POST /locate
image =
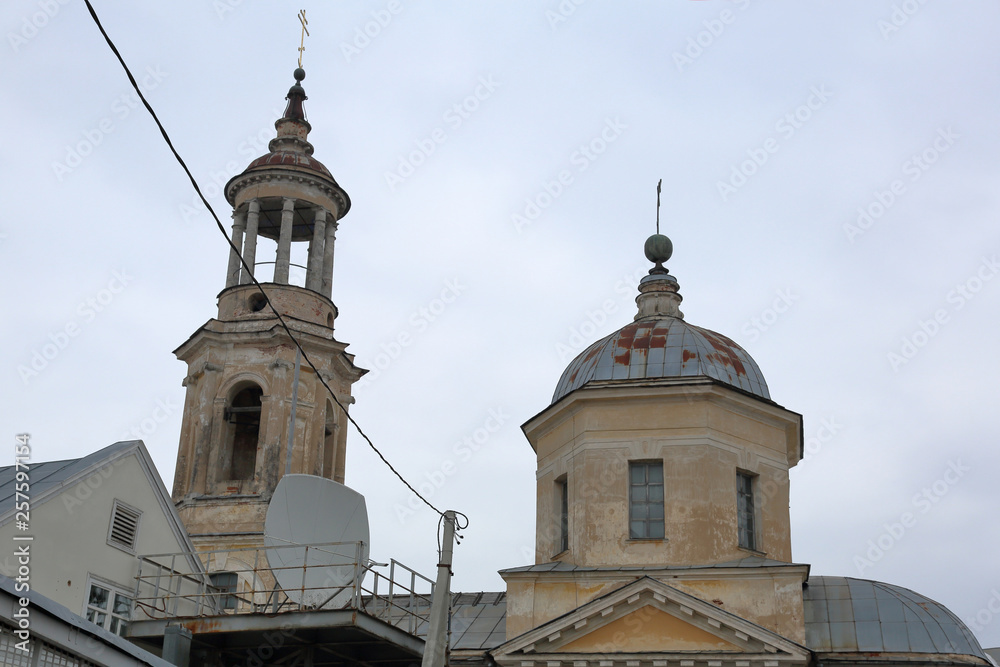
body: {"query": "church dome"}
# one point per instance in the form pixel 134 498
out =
pixel 857 616
pixel 665 347
pixel 659 344
pixel 292 159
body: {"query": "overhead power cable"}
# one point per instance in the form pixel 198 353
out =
pixel 246 267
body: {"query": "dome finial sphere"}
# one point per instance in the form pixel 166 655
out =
pixel 658 248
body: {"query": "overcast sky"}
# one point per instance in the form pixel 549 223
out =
pixel 829 183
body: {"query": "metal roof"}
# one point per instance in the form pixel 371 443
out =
pixel 666 347
pixel 49 475
pixel 843 615
pixel 846 615
pixel 478 620
pixel 290 159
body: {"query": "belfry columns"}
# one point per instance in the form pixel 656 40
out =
pixel 319 272
pixel 250 247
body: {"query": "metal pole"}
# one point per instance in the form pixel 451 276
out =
pixel 435 650
pixel 291 422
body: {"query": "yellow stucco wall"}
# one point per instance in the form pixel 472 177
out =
pixel 645 630
pixel 703 440
pixel 704 434
pixel 769 597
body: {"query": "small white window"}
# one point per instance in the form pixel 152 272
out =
pixel 124 526
pixel 108 607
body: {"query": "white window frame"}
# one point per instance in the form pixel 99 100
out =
pixel 113 590
pixel 111 525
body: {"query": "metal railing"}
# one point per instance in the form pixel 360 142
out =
pixel 167 588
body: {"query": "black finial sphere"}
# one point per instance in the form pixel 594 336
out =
pixel 658 248
pixel 299 74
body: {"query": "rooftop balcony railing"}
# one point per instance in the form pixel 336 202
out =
pixel 241 581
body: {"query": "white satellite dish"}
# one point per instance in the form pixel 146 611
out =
pixel 306 509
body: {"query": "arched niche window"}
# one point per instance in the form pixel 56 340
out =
pixel 243 415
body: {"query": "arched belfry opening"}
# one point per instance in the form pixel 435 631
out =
pixel 243 417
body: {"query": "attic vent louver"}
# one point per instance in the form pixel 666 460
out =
pixel 124 526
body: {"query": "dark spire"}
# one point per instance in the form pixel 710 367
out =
pixel 296 96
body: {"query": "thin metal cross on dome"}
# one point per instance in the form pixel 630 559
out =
pixel 305 33
pixel 658 186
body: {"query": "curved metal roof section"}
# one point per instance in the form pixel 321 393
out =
pixel 667 347
pixel 290 159
pixel 846 615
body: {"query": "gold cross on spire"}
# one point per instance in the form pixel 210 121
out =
pixel 305 33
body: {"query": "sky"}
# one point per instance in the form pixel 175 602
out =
pixel 829 184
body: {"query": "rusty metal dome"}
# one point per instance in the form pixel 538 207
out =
pixel 295 160
pixel 663 347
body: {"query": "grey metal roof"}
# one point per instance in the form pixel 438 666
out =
pixel 47 476
pixel 559 566
pixel 846 615
pixel 666 347
pixel 478 620
pixel 843 615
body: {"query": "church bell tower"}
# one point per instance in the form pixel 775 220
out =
pixel 245 380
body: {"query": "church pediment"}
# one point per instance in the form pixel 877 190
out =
pixel 650 623
pixel 648 629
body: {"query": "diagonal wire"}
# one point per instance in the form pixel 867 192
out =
pixel 246 267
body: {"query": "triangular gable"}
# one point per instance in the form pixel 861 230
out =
pixel 647 619
pixel 645 630
pixel 66 475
